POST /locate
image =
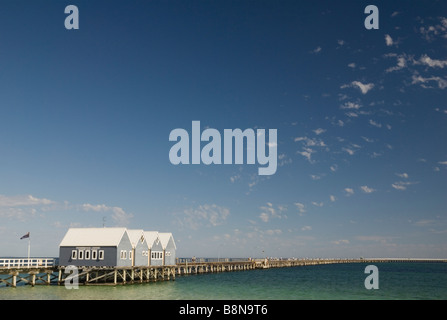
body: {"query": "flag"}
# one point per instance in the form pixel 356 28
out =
pixel 25 236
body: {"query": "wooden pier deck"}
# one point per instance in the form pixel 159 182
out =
pixel 44 271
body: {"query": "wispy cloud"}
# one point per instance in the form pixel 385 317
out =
pixel 433 63
pixel 269 211
pixel 349 192
pixel 434 31
pixel 301 207
pixel 350 105
pixel 206 215
pixel 317 50
pixel 367 189
pixel 342 241
pixel 417 79
pixel 402 185
pixel 364 88
pixel 388 40
pixel 319 131
pixel 119 216
pixel 23 200
pixel 375 124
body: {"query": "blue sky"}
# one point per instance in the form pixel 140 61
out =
pixel 85 117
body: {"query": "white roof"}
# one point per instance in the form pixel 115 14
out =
pixel 135 236
pixel 93 237
pixel 150 236
pixel 164 238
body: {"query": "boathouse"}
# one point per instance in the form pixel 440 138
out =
pixel 155 248
pixel 169 248
pixel 139 246
pixel 98 247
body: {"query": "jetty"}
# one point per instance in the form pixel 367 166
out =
pixel 46 271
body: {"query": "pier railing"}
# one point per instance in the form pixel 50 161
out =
pixel 13 263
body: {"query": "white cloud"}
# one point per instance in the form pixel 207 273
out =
pixel 349 191
pixel 367 189
pixel 301 207
pixel 316 50
pixel 388 40
pixel 401 63
pixel 401 185
pixel 317 204
pixel 119 216
pixel 402 175
pixel 349 151
pixel 22 207
pixel 375 124
pixel 272 232
pixel 307 153
pixel 442 83
pixel 204 215
pixel 264 217
pixel 333 198
pixel 443 162
pixel 364 88
pixel 306 228
pixel 319 131
pixel 433 63
pixel 430 33
pixel 350 105
pixel 352 65
pixel 342 241
pixel 269 211
pixel 23 200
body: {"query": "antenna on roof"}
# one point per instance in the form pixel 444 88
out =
pixel 104 222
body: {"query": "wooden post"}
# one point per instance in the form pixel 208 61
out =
pixel 14 278
pixel 33 280
pixel 115 276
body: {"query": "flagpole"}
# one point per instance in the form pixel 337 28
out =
pixel 29 247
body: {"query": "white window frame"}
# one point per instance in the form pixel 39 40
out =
pixel 74 254
pixel 94 254
pixel 130 254
pixel 87 255
pixel 101 254
pixel 81 255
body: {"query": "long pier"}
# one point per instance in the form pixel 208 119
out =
pixel 45 271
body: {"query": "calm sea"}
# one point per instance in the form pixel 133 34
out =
pixel 414 281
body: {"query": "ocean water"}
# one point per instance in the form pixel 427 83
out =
pixel 402 281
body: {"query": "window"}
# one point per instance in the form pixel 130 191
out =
pixel 168 253
pixel 130 255
pixel 87 255
pixel 74 254
pixel 94 254
pixel 101 254
pixel 81 254
pixel 123 254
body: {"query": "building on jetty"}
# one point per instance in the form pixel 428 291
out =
pixel 116 247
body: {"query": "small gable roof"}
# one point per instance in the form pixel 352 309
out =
pixel 135 235
pixel 164 239
pixel 150 236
